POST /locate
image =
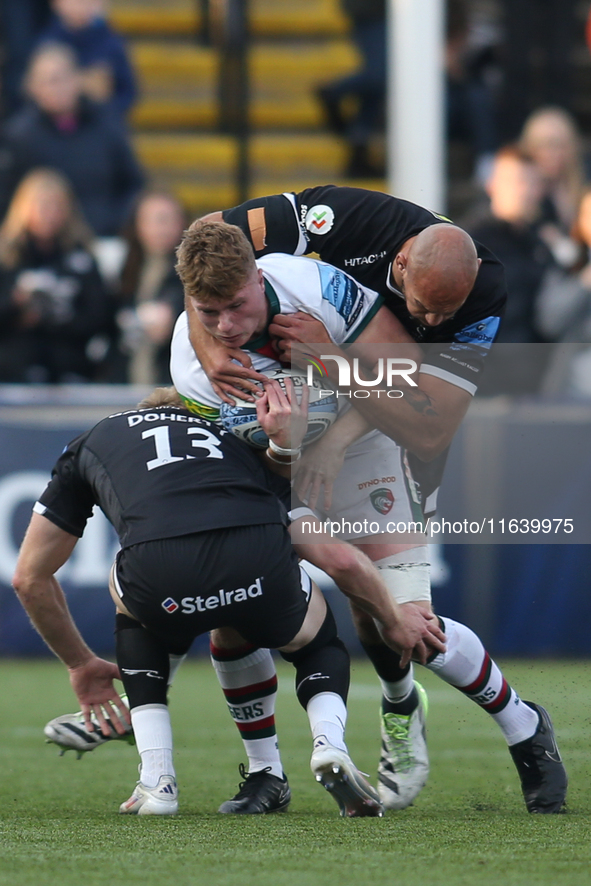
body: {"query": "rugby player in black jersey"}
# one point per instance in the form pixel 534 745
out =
pixel 204 544
pixel 448 293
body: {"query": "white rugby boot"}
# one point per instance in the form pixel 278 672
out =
pixel 161 800
pixel 404 762
pixel 335 770
pixel 70 734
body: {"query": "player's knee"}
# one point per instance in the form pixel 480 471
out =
pixel 325 636
pixel 125 623
pixel 227 638
pixel 365 626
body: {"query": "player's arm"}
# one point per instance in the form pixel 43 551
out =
pixel 424 420
pixel 46 547
pixel 427 417
pixel 406 629
pixel 322 462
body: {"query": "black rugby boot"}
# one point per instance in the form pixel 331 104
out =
pixel 541 771
pixel 259 794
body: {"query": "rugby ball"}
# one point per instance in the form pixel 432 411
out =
pixel 241 417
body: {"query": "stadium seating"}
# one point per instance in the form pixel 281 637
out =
pixel 176 122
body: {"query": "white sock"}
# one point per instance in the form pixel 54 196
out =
pixel 327 714
pixel 153 736
pixel 468 666
pixel 263 753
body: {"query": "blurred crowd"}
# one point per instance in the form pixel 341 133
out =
pixel 88 291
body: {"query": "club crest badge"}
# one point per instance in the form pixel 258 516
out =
pixel 382 500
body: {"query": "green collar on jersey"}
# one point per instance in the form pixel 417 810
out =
pixel 274 308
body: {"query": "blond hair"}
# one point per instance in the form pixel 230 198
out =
pixel 161 397
pixel 573 176
pixel 214 260
pixel 13 232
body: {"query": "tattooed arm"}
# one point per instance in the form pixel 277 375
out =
pixel 424 420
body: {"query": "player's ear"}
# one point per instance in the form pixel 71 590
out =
pixel 400 261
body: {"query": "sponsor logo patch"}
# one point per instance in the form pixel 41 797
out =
pixel 482 333
pixel 135 672
pixel 170 605
pixel 342 293
pixel 222 598
pixel 319 219
pixel 382 500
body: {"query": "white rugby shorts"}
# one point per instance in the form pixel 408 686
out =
pixel 375 492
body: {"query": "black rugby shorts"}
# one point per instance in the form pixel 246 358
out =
pixel 244 577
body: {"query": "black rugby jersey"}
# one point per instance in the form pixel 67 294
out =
pixel 361 231
pixel 161 473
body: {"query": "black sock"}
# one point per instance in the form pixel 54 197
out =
pixel 387 666
pixel 386 662
pixel 405 707
pixel 143 662
pixel 323 665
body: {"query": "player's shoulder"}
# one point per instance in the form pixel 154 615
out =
pixel 114 426
pixel 479 319
pixel 181 325
pixel 490 289
pixel 342 194
pixel 292 277
pixel 281 263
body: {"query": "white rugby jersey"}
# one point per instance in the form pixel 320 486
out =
pixel 292 284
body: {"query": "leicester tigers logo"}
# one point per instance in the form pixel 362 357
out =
pixel 382 500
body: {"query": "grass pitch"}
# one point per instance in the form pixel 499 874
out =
pixel 59 822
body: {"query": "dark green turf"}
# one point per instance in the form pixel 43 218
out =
pixel 59 822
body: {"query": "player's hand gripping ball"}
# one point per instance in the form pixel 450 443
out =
pixel 241 418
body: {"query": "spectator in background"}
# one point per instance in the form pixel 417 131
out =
pixel 62 129
pixel 551 137
pixel 563 314
pixel 150 295
pixel 515 189
pixel 52 300
pixel 106 73
pixel 366 85
pixel 20 23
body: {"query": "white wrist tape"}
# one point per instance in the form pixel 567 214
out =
pixel 279 450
